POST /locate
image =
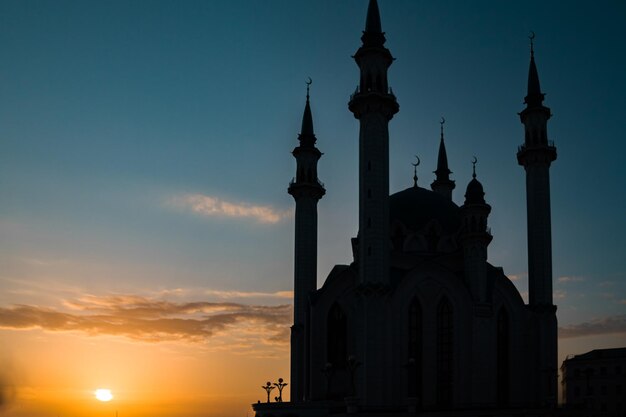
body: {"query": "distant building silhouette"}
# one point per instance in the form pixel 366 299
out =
pixel 596 382
pixel 419 320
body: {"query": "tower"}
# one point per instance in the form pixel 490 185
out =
pixel 306 190
pixel 443 184
pixel 475 238
pixel 373 104
pixel 536 155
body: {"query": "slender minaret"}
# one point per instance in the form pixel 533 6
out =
pixel 443 184
pixel 374 105
pixel 306 190
pixel 536 155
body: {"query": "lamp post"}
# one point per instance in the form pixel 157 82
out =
pixel 268 388
pixel 280 385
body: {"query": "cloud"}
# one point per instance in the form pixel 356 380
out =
pixel 570 279
pixel 213 206
pixel 153 320
pixel 605 325
pixel 249 294
pixel 517 277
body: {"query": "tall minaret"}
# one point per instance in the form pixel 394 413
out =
pixel 374 105
pixel 306 190
pixel 536 155
pixel 443 184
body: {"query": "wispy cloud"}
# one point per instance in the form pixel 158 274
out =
pixel 566 279
pixel 517 277
pixel 153 320
pixel 605 325
pixel 206 205
pixel 221 295
pixel 249 294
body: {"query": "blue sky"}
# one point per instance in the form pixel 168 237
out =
pixel 115 116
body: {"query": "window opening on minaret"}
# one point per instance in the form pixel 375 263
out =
pixel 445 354
pixel 369 222
pixel 369 193
pixel 414 360
pixel 369 250
pixel 369 165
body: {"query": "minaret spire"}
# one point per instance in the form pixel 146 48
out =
pixel 443 184
pixel 306 190
pixel 373 34
pixel 306 133
pixel 534 96
pixel 372 23
pixel 536 156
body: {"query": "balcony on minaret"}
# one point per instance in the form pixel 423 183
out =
pixel 543 153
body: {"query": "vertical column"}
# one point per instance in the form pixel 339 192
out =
pixel 306 190
pixel 536 155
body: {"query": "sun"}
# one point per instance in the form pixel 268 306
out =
pixel 103 394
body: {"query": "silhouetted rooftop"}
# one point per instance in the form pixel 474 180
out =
pixel 415 207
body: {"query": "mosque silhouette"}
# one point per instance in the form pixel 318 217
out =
pixel 419 321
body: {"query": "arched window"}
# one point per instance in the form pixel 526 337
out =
pixel 414 382
pixel 445 352
pixel 502 360
pixel 336 348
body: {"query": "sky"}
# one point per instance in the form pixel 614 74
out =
pixel 146 233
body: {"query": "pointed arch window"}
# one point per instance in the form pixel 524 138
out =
pixel 414 382
pixel 445 352
pixel 337 346
pixel 502 360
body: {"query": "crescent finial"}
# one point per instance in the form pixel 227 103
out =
pixel 441 123
pixel 415 170
pixel 474 167
pixel 531 37
pixel 308 85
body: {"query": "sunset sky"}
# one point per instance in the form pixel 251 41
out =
pixel 146 235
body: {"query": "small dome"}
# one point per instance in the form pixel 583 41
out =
pixel 415 207
pixel 474 193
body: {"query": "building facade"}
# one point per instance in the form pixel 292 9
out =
pixel 419 319
pixel 596 382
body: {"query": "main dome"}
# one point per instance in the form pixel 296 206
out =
pixel 415 207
